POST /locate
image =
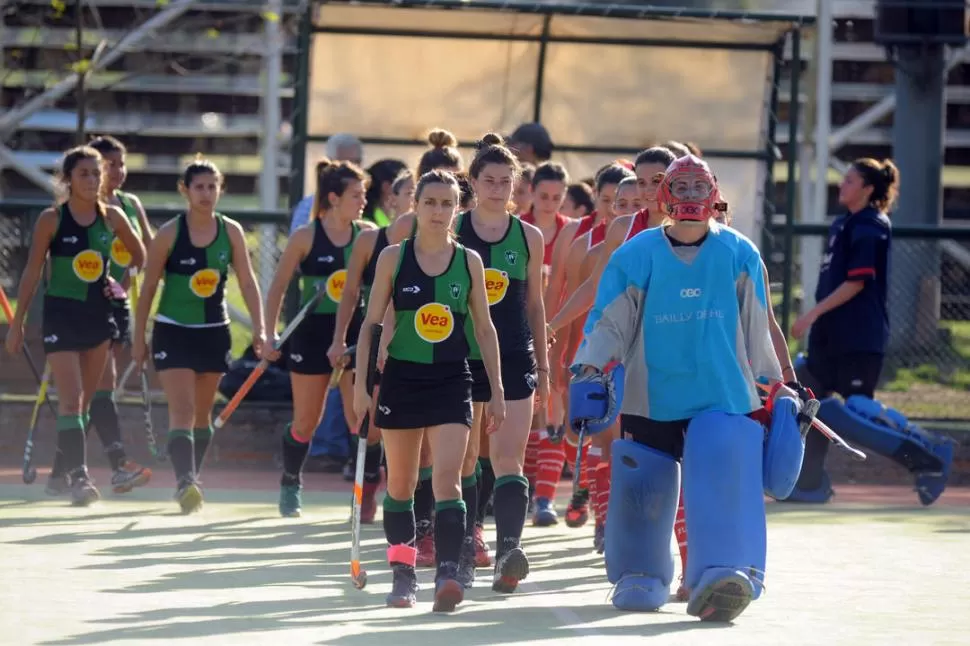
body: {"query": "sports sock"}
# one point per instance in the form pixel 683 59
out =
pixel 449 530
pixel 202 437
pixel 372 463
pixel 680 531
pixel 423 502
pixel 294 455
pixel 551 455
pixel 70 443
pixel 469 495
pixel 511 503
pixel 399 530
pixel 486 487
pixel 181 452
pixel 104 417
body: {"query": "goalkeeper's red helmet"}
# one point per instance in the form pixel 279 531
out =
pixel 688 191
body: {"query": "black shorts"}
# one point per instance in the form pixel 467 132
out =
pixel 666 437
pixel 519 376
pixel 75 326
pixel 847 374
pixel 311 340
pixel 199 349
pixel 418 395
pixel 121 313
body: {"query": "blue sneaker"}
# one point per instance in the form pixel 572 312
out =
pixel 545 514
pixel 930 485
pixel 291 501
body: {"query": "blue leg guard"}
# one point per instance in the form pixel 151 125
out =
pixel 644 489
pixel 784 449
pixel 887 432
pixel 725 512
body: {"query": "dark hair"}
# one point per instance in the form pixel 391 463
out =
pixel 381 172
pixel 677 148
pixel 491 150
pixel 437 176
pixel 200 166
pixel 333 177
pixel 536 135
pixel 106 144
pixel 883 177
pixel 442 154
pixel 612 174
pixel 72 158
pixel 693 148
pixel 581 195
pixel 526 172
pixel 465 186
pixel 402 178
pixel 655 155
pixel 550 172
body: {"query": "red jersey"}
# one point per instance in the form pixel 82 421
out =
pixel 561 221
pixel 585 224
pixel 638 223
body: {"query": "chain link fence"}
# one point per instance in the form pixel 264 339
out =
pixel 266 235
pixel 926 374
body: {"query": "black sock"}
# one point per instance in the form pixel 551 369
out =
pixel 813 465
pixel 70 444
pixel 449 530
pixel 201 437
pixel 510 505
pixel 486 485
pixel 104 417
pixel 372 463
pixel 182 453
pixel 399 527
pixel 423 502
pixel 469 495
pixel 295 453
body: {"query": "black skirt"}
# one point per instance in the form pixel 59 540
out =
pixel 418 395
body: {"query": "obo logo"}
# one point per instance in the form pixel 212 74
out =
pixel 691 293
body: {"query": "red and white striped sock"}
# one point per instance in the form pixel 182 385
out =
pixel 530 466
pixel 551 456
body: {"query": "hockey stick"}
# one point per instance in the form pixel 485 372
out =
pixel 357 575
pixel 833 437
pixel 29 472
pixel 8 312
pixel 578 497
pixel 146 406
pixel 264 364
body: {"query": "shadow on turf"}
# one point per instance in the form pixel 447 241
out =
pixel 303 560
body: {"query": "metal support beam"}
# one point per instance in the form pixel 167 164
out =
pixel 884 107
pixel 37 176
pixel 147 29
pixel 269 186
pixel 811 247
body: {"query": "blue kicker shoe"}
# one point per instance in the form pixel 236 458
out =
pixel 929 486
pixel 818 496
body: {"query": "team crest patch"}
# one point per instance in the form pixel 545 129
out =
pixel 511 256
pixel 455 290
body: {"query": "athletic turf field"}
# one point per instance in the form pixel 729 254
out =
pixel 133 571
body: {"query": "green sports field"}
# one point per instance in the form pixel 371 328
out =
pixel 133 571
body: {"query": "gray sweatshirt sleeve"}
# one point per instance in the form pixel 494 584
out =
pixel 616 318
pixel 754 330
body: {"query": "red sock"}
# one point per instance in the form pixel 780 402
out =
pixel 550 459
pixel 569 449
pixel 531 465
pixel 602 500
pixel 680 531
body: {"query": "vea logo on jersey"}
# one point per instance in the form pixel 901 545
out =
pixel 434 322
pixel 88 266
pixel 496 285
pixel 204 282
pixel 119 253
pixel 335 285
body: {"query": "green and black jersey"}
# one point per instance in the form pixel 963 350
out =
pixel 432 323
pixel 194 294
pixel 506 273
pixel 120 256
pixel 326 265
pixel 79 259
pixel 370 269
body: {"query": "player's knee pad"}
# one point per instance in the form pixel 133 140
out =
pixel 784 449
pixel 886 431
pixel 643 503
pixel 724 497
